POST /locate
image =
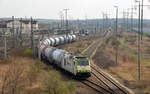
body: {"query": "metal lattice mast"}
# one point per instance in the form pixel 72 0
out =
pixel 5 42
pixel 32 37
pixel 116 34
pixel 20 35
pixel 13 31
pixel 66 12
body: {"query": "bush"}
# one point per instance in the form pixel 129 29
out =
pixel 145 35
pixel 34 70
pixel 32 91
pixel 39 65
pixel 126 39
pixel 52 84
pixel 28 51
pixel 5 61
pixel 13 79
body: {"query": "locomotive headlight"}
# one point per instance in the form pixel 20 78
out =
pixel 78 70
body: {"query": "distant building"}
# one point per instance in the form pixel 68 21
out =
pixel 18 24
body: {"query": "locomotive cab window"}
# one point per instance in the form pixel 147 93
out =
pixel 83 63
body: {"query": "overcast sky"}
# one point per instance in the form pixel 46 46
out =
pixel 78 9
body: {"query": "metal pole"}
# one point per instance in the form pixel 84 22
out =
pixel 127 20
pixel 21 32
pixel 39 52
pixel 5 44
pixel 139 46
pixel 13 31
pixel 66 10
pixel 63 21
pixel 103 21
pixel 61 18
pixel 32 37
pixel 142 21
pixel 132 19
pixel 116 34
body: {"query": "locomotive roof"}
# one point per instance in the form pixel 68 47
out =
pixel 80 57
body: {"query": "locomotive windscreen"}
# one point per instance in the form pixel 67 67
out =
pixel 83 63
pixel 81 57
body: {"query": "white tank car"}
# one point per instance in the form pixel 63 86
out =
pixel 78 66
pixel 52 41
pixel 48 41
pixel 45 42
pixel 58 56
pixel 49 53
pixel 74 37
pixel 57 41
pixel 66 39
pixel 62 40
pixel 70 38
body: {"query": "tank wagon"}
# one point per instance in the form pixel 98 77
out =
pixel 76 65
pixel 59 40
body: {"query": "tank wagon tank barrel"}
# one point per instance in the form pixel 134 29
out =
pixel 59 40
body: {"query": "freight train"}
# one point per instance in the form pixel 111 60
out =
pixel 59 40
pixel 76 65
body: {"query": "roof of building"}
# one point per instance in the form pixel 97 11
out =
pixel 28 21
pixel 23 21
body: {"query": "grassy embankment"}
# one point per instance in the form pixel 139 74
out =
pixel 22 74
pixel 76 48
pixel 29 75
pixel 126 69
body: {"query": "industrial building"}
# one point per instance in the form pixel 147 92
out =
pixel 19 25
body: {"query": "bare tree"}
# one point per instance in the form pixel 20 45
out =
pixel 13 79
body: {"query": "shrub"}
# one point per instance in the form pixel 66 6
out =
pixel 145 35
pixel 28 51
pixel 32 91
pixel 5 61
pixel 126 39
pixel 52 84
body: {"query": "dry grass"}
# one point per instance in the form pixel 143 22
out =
pixel 77 47
pixel 126 69
pixel 33 72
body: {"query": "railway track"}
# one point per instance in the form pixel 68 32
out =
pixel 88 52
pixel 96 87
pixel 116 88
pixel 105 85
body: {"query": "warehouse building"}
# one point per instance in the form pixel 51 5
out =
pixel 19 25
